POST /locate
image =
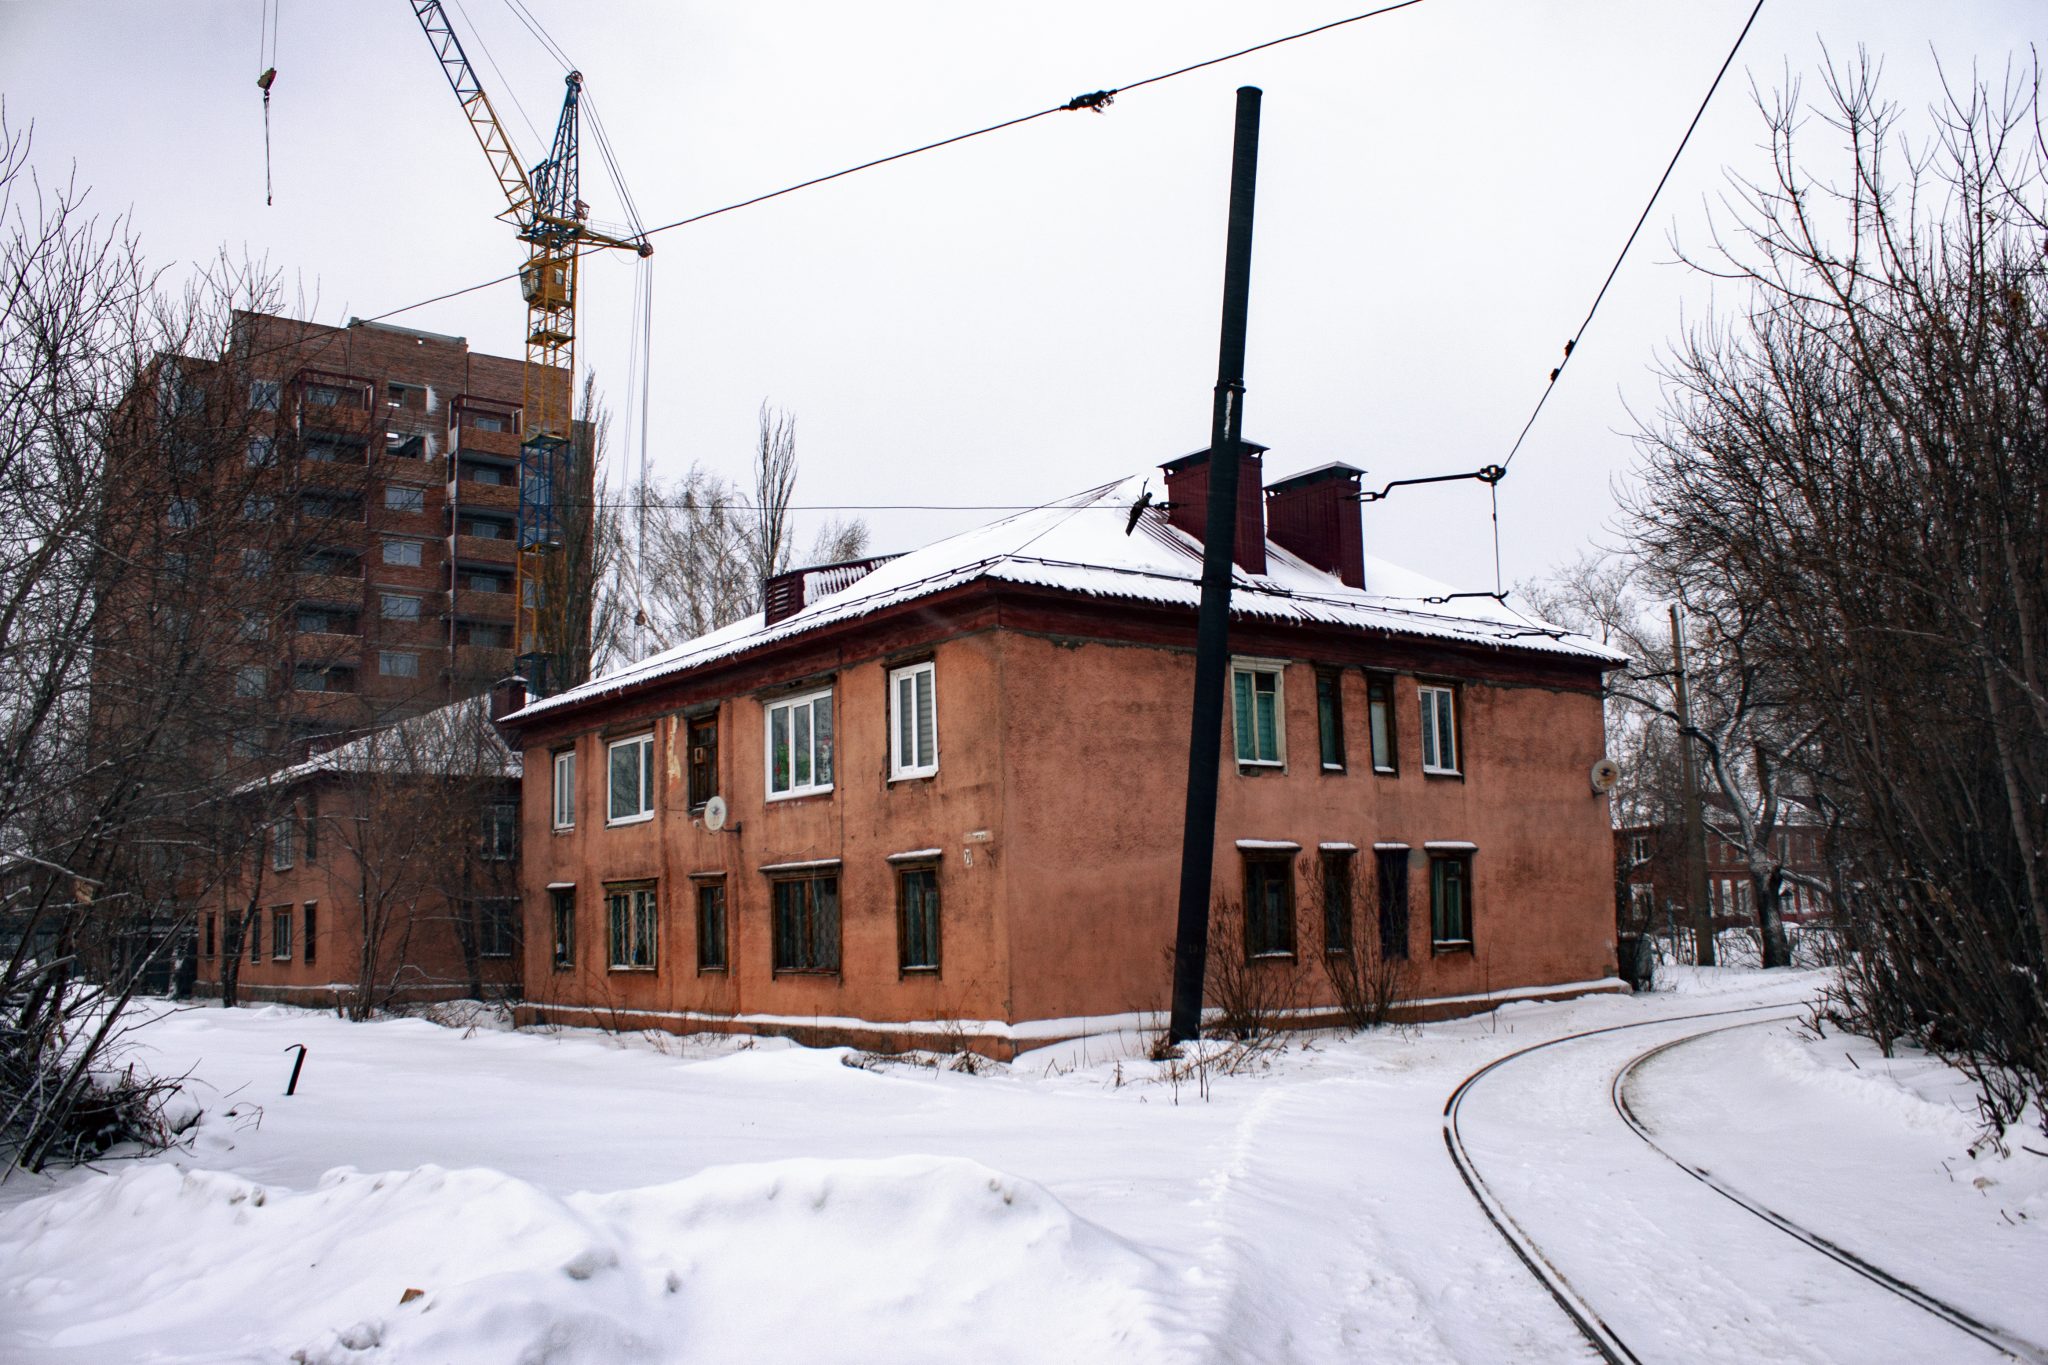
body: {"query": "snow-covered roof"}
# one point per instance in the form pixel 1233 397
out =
pixel 1078 545
pixel 454 740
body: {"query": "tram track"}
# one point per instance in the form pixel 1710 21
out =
pixel 1600 1333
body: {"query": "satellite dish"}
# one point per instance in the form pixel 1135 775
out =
pixel 1604 775
pixel 714 814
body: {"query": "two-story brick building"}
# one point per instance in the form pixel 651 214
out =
pixel 943 791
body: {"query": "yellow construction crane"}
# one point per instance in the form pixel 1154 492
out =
pixel 544 206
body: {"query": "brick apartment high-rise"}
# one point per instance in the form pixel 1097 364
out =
pixel 406 444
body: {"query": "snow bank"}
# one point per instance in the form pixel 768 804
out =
pixel 906 1259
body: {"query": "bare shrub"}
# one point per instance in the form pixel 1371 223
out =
pixel 1252 997
pixel 1367 979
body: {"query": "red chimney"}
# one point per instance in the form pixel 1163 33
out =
pixel 1315 514
pixel 1187 490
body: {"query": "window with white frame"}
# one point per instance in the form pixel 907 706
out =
pixel 629 780
pixel 404 553
pixel 800 745
pixel 913 724
pixel 281 933
pixel 394 606
pixel 565 789
pixel 1257 712
pixel 1439 729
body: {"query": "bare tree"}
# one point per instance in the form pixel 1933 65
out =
pixel 1851 480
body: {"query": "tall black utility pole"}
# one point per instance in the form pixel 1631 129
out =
pixel 1219 552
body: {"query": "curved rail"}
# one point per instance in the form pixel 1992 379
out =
pixel 1602 1338
pixel 2018 1348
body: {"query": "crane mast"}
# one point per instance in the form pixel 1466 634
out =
pixel 544 205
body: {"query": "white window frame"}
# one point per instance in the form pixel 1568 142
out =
pixel 644 741
pixel 905 764
pixel 1438 707
pixel 565 789
pixel 281 933
pixel 1276 669
pixel 401 547
pixel 803 701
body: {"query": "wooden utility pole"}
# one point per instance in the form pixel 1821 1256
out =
pixel 1219 551
pixel 1695 832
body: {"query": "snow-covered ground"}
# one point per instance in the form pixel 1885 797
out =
pixel 572 1197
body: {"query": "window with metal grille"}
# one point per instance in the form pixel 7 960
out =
pixel 1337 901
pixel 562 910
pixel 711 926
pixel 630 911
pixel 1393 886
pixel 807 923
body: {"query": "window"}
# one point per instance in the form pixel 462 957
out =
pixel 630 910
pixel 255 937
pixel 807 923
pixel 1268 905
pixel 562 910
pixel 312 926
pixel 917 918
pixel 1642 902
pixel 702 738
pixel 913 728
pixel 255 625
pixel 264 394
pixel 395 663
pixel 311 812
pixel 397 395
pixel 711 926
pixel 487 582
pixel 1379 701
pixel 1450 901
pixel 405 553
pixel 1336 901
pixel 399 498
pixel 1639 848
pixel 501 831
pixel 394 606
pixel 1439 730
pixel 800 746
pixel 281 933
pixel 1330 717
pixel 281 846
pixel 255 508
pixel 565 789
pixel 497 926
pixel 252 680
pixel 485 529
pixel 485 635
pixel 1393 870
pixel 484 473
pixel 1256 713
pixel 211 925
pixel 262 452
pixel 255 564
pixel 487 422
pixel 183 513
pixel 629 768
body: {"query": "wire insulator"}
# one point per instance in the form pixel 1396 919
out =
pixel 1099 101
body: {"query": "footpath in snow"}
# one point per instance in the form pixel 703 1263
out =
pixel 573 1197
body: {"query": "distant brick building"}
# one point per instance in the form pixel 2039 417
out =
pixel 940 794
pixel 1649 862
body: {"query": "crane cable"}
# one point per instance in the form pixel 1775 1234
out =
pixel 266 57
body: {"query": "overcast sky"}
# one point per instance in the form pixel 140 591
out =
pixel 1030 313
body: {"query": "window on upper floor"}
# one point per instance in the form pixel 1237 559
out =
pixel 394 606
pixel 1379 705
pixel 799 744
pixel 1439 728
pixel 400 497
pixel 629 780
pixel 913 723
pixel 262 452
pixel 264 394
pixel 565 789
pixel 1330 717
pixel 252 680
pixel 404 553
pixel 701 736
pixel 501 831
pixel 398 663
pixel 497 926
pixel 1257 713
pixel 281 846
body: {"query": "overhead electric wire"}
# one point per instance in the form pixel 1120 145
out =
pixel 1096 100
pixel 1634 232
